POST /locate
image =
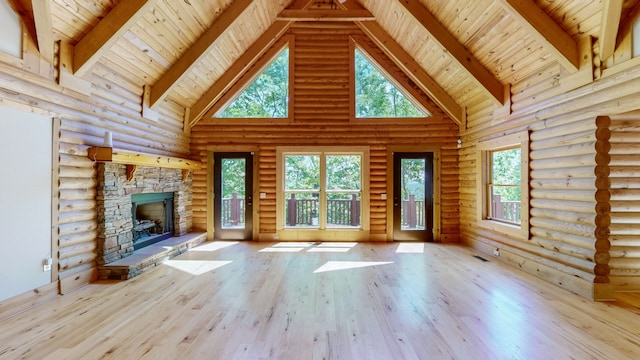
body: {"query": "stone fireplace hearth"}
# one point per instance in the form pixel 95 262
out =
pixel 118 228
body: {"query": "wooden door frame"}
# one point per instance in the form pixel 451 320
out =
pixel 210 185
pixel 436 185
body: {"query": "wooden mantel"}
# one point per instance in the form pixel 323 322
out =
pixel 132 160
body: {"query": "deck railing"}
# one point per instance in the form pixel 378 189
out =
pixel 340 212
pixel 412 213
pixel 233 210
pixel 505 210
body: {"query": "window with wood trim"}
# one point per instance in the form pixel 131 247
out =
pixel 375 94
pixel 322 188
pixel 503 184
pixel 267 96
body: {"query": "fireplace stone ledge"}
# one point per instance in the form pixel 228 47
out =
pixel 149 257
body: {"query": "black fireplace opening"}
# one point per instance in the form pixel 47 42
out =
pixel 152 218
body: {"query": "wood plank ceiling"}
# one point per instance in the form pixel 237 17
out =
pixel 463 52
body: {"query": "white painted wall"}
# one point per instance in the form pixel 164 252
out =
pixel 635 36
pixel 25 200
pixel 11 33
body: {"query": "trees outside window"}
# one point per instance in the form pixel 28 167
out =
pixel 267 96
pixel 315 201
pixel 376 96
pixel 503 184
pixel 504 187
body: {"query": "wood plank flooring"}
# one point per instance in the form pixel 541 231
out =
pixel 248 300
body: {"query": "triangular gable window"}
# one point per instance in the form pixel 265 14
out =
pixel 267 96
pixel 377 96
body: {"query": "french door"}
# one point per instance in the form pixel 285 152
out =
pixel 413 196
pixel 233 196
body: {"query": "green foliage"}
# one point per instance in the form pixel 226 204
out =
pixel 302 172
pixel 413 173
pixel 376 96
pixel 343 172
pixel 267 96
pixel 233 177
pixel 505 174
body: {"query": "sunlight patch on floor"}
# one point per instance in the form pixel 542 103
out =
pixel 414 248
pixel 313 247
pixel 281 249
pixel 214 246
pixel 329 249
pixel 347 265
pixel 196 267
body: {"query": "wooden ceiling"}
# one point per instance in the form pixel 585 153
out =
pixel 187 51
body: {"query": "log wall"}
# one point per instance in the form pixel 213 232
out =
pixel 113 105
pixel 570 185
pixel 321 116
pixel 625 201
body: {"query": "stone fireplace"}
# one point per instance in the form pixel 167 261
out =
pixel 154 205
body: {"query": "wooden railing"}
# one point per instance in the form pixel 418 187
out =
pixel 233 210
pixel 505 210
pixel 339 212
pixel 412 213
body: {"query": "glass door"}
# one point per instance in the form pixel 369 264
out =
pixel 413 196
pixel 233 196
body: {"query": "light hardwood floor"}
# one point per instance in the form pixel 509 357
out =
pixel 247 300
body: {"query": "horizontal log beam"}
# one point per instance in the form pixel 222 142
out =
pixel 325 15
pixel 106 154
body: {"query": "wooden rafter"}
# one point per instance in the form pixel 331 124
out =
pixel 611 13
pixel 546 30
pixel 415 94
pixel 482 77
pixel 44 28
pixel 412 69
pixel 325 15
pixel 242 65
pixel 197 51
pixel 102 37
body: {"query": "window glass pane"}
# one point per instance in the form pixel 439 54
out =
pixel 233 193
pixel 267 96
pixel 301 209
pixel 343 210
pixel 376 96
pixel 504 191
pixel 302 172
pixel 412 211
pixel 343 172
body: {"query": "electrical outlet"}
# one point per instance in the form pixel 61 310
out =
pixel 46 264
pixel 496 252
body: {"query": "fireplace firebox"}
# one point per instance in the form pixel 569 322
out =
pixel 152 216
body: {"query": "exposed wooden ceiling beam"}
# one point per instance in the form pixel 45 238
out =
pixel 414 71
pixel 482 77
pixel 237 70
pixel 325 15
pixel 102 37
pixel 545 30
pixel 197 51
pixel 242 64
pixel 44 28
pixel 611 14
